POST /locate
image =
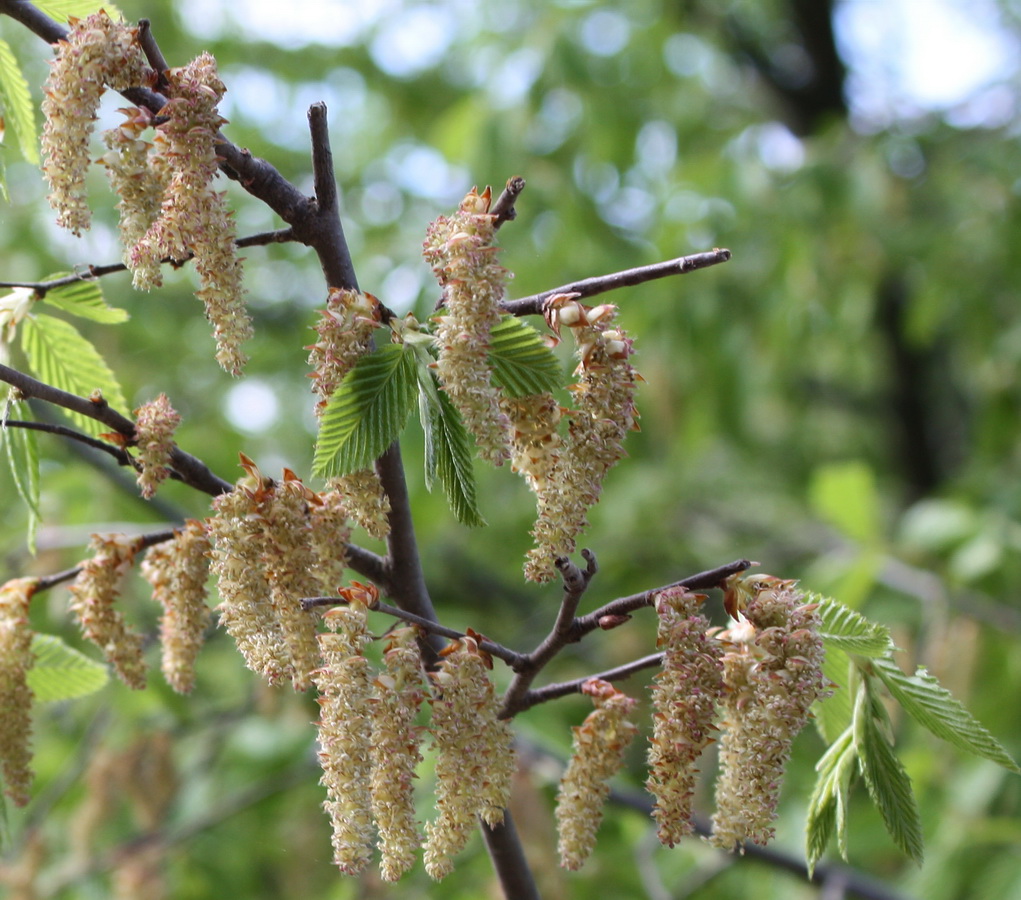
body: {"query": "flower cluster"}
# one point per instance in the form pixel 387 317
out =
pixel 476 756
pixel 604 411
pixel 155 422
pixel 177 571
pixel 600 743
pixel 687 691
pixel 459 249
pixel 194 219
pixel 139 179
pixel 400 690
pixel 772 672
pixel 94 593
pixel 264 557
pixel 16 658
pixel 97 52
pixel 345 733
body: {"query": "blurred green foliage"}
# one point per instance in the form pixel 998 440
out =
pixel 839 402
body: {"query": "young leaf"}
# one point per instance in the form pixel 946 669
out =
pixel 61 672
pixel 22 453
pixel 887 782
pixel 449 454
pixel 934 707
pixel 85 300
pixel 844 629
pixel 833 714
pixel 367 411
pixel 827 807
pixel 17 104
pixel 61 357
pixel 62 9
pixel 522 363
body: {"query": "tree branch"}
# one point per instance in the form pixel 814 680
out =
pixel 503 207
pixel 192 470
pixel 509 861
pixel 589 287
pixel 118 453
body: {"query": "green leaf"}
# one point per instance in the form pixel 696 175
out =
pixel 22 450
pixel 19 110
pixel 844 629
pixel 827 807
pixel 62 9
pixel 367 411
pixel 833 715
pixel 845 495
pixel 61 357
pixel 935 708
pixel 85 300
pixel 61 672
pixel 887 782
pixel 522 362
pixel 449 454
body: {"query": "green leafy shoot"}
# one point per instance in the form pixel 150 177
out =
pixel 448 450
pixel 61 357
pixel 367 411
pixel 22 451
pixel 19 111
pixel 934 707
pixel 522 363
pixel 833 715
pixel 61 672
pixel 85 300
pixel 827 807
pixel 887 782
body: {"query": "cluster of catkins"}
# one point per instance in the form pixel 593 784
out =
pixel 565 472
pixel 754 683
pixel 370 744
pixel 168 209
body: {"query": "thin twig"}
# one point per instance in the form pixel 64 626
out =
pixel 118 453
pixel 90 273
pixel 569 629
pixel 503 207
pixel 564 688
pixel 576 582
pixel 192 470
pixel 146 541
pixel 712 578
pixel 511 657
pixel 589 287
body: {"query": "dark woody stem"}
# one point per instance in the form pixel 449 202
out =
pixel 589 287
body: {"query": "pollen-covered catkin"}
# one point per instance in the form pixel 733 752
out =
pixel 16 658
pixel 155 423
pixel 136 177
pixel 772 670
pixel 178 570
pixel 399 692
pixel 459 249
pixel 685 696
pixel 476 755
pixel 600 743
pixel 603 413
pixel 97 52
pixel 93 595
pixel 236 530
pixel 289 563
pixel 345 734
pixel 193 218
